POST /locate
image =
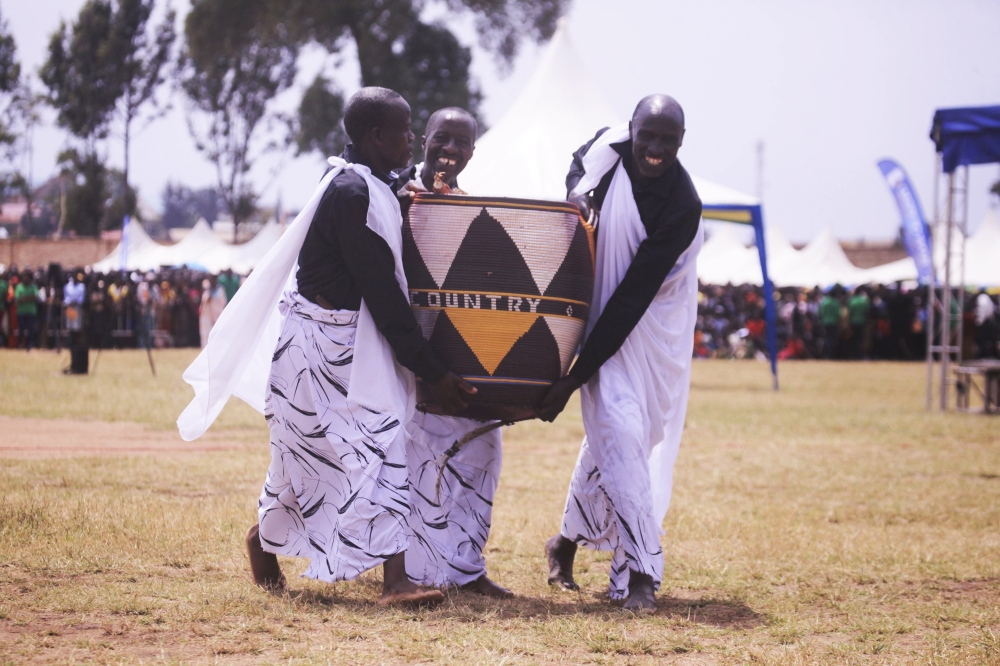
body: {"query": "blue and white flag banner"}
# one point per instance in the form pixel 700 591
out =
pixel 124 244
pixel 916 236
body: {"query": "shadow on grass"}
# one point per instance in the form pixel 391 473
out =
pixel 464 606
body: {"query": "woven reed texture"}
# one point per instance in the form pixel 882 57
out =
pixel 502 290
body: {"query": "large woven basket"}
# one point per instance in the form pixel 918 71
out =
pixel 502 290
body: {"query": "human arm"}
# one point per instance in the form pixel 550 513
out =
pixel 372 265
pixel 653 261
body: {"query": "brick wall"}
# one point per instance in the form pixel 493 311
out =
pixel 70 253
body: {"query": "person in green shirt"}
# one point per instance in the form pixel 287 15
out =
pixel 858 308
pixel 230 283
pixel 829 318
pixel 26 300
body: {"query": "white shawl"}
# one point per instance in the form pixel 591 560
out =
pixel 653 366
pixel 237 359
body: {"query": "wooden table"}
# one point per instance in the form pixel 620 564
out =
pixel 980 377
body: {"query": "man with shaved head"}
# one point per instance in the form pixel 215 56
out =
pixel 635 363
pixel 449 530
pixel 340 389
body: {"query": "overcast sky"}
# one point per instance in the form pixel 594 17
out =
pixel 829 87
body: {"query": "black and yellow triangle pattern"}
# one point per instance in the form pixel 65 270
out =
pixel 502 290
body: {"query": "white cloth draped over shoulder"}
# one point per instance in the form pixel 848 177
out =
pixel 654 363
pixel 237 359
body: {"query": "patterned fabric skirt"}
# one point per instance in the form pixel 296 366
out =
pixel 336 490
pixel 449 533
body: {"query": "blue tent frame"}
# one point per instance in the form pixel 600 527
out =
pixel 754 216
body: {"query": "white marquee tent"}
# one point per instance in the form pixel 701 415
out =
pixel 200 248
pixel 982 259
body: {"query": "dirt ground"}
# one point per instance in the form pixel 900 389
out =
pixel 31 438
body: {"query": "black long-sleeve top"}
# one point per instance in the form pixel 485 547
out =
pixel 670 211
pixel 342 261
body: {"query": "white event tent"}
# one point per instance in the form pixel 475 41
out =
pixel 200 248
pixel 982 259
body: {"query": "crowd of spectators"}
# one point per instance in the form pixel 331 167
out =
pixel 52 308
pixel 870 322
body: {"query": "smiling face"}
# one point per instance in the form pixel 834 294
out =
pixel 657 130
pixel 448 145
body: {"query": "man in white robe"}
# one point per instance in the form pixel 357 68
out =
pixel 449 531
pixel 634 366
pixel 340 381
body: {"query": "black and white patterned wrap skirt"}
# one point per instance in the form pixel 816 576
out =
pixel 336 489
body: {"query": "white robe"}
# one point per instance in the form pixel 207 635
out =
pixel 448 533
pixel 634 407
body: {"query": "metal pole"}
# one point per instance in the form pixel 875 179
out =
pixel 931 293
pixel 963 230
pixel 946 296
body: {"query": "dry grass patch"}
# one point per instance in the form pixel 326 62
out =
pixel 833 522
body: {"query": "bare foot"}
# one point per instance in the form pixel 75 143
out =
pixel 398 590
pixel 487 587
pixel 560 552
pixel 641 594
pixel 263 565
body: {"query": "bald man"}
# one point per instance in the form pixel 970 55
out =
pixel 635 364
pixel 336 490
pixel 448 533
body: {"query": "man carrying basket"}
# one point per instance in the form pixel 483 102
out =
pixel 634 366
pixel 449 520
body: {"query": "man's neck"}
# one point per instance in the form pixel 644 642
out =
pixel 357 156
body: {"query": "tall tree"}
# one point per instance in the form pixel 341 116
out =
pixel 235 62
pixel 107 64
pixel 10 83
pixel 143 56
pixel 396 49
pixel 81 73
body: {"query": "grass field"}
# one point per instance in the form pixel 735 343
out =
pixel 833 522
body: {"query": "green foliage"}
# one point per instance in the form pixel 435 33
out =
pixel 427 66
pixel 423 62
pixel 319 128
pixel 504 24
pixel 143 57
pixel 10 68
pixel 233 66
pixel 81 72
pixel 96 198
pixel 106 64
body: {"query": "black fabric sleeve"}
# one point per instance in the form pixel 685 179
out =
pixel 371 264
pixel 653 261
pixel 576 166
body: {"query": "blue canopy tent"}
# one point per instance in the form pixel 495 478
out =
pixel 727 205
pixel 962 137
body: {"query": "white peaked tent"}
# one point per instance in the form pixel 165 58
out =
pixel 200 243
pixel 140 248
pixel 243 258
pixel 200 248
pixel 528 153
pixel 822 263
pixel 724 259
pixel 982 253
pixel 982 259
